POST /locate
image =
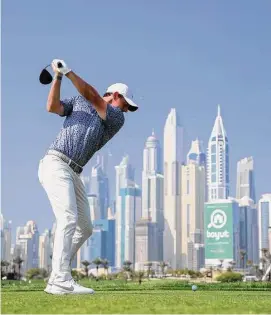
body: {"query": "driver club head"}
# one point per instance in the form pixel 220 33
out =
pixel 45 76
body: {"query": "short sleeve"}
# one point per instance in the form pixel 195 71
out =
pixel 68 105
pixel 114 117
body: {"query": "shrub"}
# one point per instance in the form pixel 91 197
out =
pixel 230 276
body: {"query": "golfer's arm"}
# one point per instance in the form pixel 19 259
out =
pixel 89 93
pixel 53 101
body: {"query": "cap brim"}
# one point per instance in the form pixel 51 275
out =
pixel 133 107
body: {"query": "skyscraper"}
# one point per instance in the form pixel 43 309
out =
pixel 264 213
pixel 125 174
pixel 249 232
pixel 218 161
pixel 44 250
pixel 101 243
pixel 27 245
pixel 5 230
pixel 147 246
pixel 99 187
pixel 173 157
pixel 127 214
pixel 152 196
pixel 196 154
pixel 128 211
pixel 192 211
pixel 245 186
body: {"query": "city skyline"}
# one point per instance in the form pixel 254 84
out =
pixel 98 164
pixel 138 209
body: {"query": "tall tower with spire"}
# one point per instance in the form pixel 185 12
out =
pixel 218 161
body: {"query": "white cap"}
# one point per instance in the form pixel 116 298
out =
pixel 125 92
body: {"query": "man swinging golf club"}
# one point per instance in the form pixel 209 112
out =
pixel 91 121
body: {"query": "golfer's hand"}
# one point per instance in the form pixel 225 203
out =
pixel 60 66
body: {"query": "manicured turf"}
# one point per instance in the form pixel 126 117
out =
pixel 138 302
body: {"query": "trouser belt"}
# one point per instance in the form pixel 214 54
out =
pixel 74 166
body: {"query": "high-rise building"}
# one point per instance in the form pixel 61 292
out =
pixel 152 195
pixel 195 253
pixel 245 186
pixel 173 158
pixel 147 248
pixel 249 233
pixel 27 245
pixel 222 232
pixel 196 154
pixel 218 161
pixel 86 182
pixel 95 214
pixel 101 243
pixel 264 215
pixel 44 250
pixel 99 187
pixel 128 213
pixel 5 230
pixel 125 174
pixel 192 214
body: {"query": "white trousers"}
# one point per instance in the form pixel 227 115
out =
pixel 67 195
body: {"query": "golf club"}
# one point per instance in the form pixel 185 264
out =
pixel 45 76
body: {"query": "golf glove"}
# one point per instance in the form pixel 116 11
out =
pixel 61 66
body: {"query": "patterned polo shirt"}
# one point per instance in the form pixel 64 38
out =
pixel 84 132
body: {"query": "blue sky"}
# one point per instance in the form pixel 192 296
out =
pixel 191 55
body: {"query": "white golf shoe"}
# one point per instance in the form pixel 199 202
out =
pixel 68 287
pixel 48 287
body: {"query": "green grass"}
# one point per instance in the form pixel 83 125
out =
pixel 138 302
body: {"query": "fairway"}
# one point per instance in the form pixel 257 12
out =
pixel 138 302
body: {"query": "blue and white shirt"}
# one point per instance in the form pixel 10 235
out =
pixel 84 132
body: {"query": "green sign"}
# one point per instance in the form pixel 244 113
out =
pixel 218 221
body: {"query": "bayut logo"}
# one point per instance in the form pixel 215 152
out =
pixel 218 219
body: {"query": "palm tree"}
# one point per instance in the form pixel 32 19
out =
pixel 18 260
pixel 97 261
pixel 127 266
pixel 139 275
pixel 85 263
pixel 4 265
pixel 148 265
pixel 221 263
pixel 242 256
pixel 266 260
pixel 105 264
pixel 263 259
pixel 163 265
pixel 264 251
pixel 231 263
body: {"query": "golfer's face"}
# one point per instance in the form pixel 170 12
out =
pixel 123 104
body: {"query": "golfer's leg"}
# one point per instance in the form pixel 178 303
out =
pixel 58 184
pixel 84 225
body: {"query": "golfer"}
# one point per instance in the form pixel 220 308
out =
pixel 91 121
